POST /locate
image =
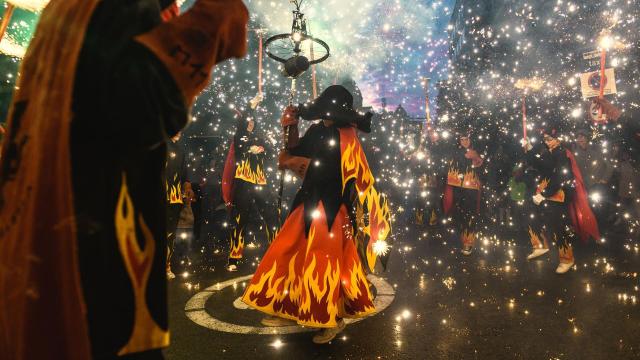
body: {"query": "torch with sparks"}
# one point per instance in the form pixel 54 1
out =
pixel 606 42
pixel 294 50
pixel 527 84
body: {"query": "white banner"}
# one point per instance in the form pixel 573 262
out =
pixel 590 83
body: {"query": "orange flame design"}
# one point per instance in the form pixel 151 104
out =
pixel 419 217
pixel 310 298
pixel 565 254
pixel 237 242
pixel 434 218
pixel 454 178
pixel 535 240
pixel 471 180
pixel 468 238
pixel 174 193
pixel 355 166
pixel 557 197
pixel 146 333
pixel 246 173
pixel 356 288
pixel 312 288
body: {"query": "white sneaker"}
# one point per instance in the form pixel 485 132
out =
pixel 275 321
pixel 537 253
pixel 232 268
pixel 170 275
pixel 467 250
pixel 564 267
pixel 326 335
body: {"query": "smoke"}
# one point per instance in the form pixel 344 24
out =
pixel 385 46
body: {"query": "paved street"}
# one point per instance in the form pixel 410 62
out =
pixel 493 304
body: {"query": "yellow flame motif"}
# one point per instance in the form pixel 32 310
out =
pixel 468 180
pixel 237 241
pixel 535 240
pixel 468 238
pixel 471 180
pixel 557 197
pixel 351 288
pixel 271 234
pixel 419 217
pixel 246 173
pixel 454 178
pixel 565 254
pixel 174 193
pixel 355 166
pixel 146 333
pixel 434 218
pixel 315 295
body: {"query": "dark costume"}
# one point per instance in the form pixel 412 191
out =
pixel 244 187
pixel 430 186
pixel 462 194
pixel 565 210
pixel 82 169
pixel 312 272
pixel 175 178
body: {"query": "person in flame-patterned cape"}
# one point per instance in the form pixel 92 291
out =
pixel 244 185
pixel 562 207
pixel 312 273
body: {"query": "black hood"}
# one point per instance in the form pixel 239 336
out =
pixel 336 104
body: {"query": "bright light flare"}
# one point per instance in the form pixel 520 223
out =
pixel 381 247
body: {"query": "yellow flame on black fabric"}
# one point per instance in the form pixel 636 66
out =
pixel 146 333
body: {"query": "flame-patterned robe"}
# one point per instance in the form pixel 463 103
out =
pixel 312 273
pixel 462 194
pixel 243 175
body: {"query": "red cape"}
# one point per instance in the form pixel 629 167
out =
pixel 584 221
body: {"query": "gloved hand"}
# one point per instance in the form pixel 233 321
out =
pixel 289 117
pixel 297 164
pixel 608 109
pixel 538 199
pixel 256 101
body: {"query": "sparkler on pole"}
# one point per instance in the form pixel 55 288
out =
pixel 259 97
pixel 606 42
pixel 288 49
pixel 527 84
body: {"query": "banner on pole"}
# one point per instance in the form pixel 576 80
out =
pixel 590 83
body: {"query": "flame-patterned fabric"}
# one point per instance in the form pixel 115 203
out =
pixel 314 280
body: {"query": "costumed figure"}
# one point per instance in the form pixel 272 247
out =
pixel 431 184
pixel 244 186
pixel 103 86
pixel 312 274
pixel 463 191
pixel 178 191
pixel 561 204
